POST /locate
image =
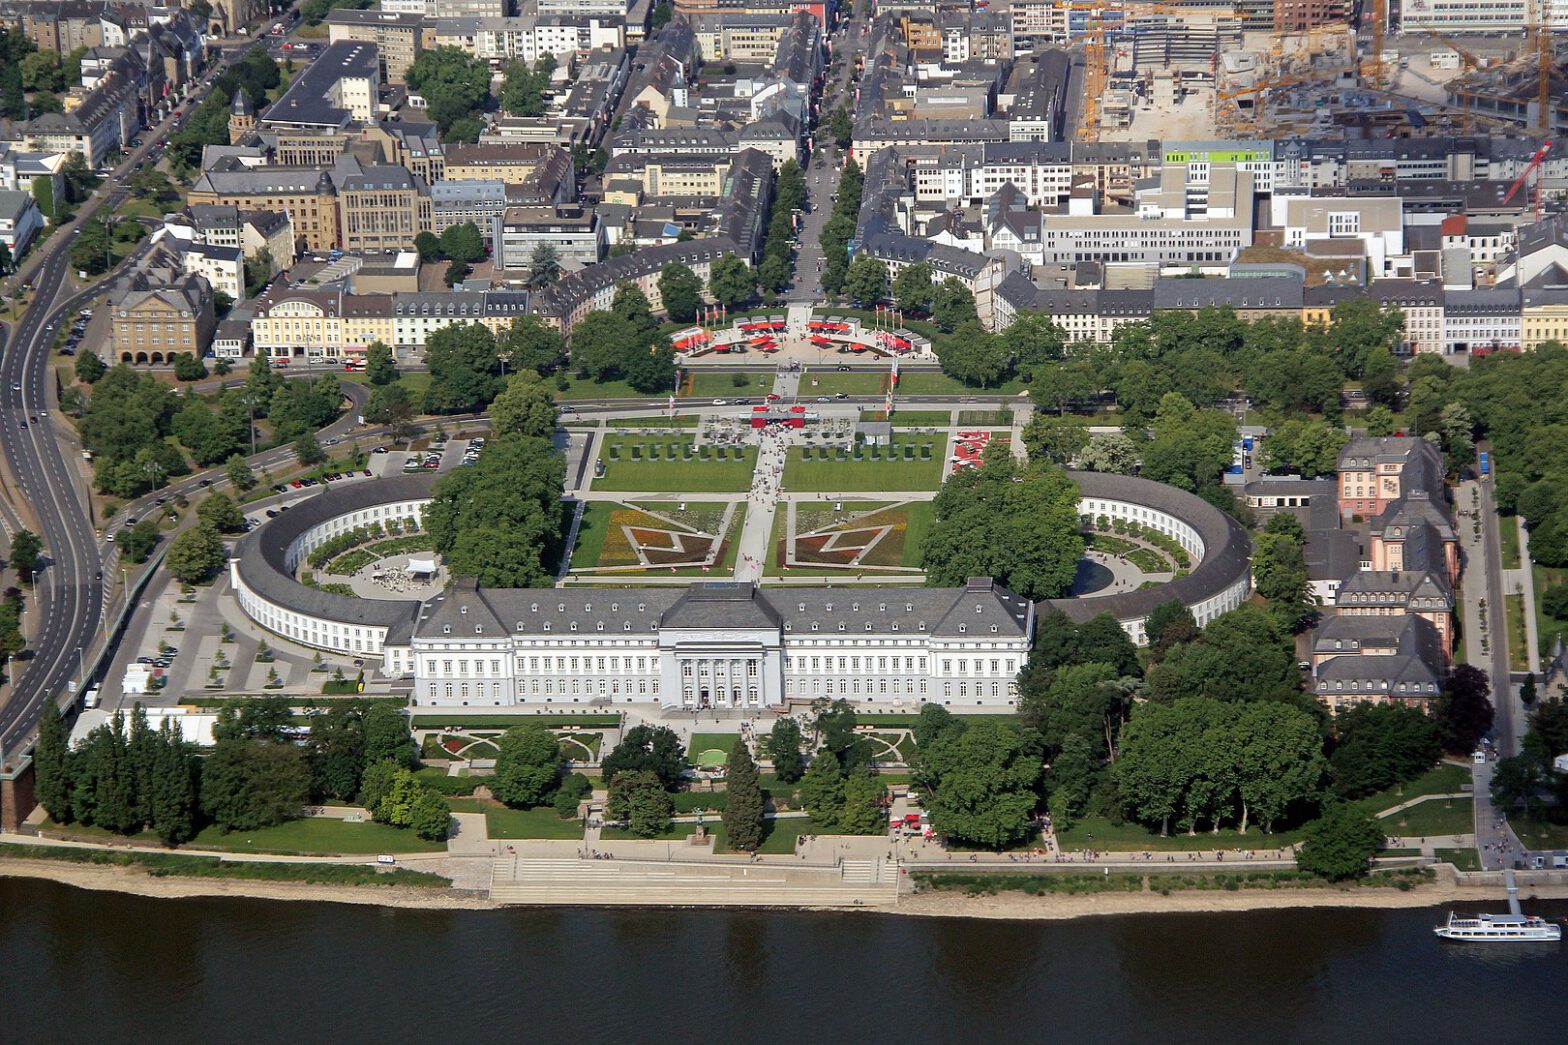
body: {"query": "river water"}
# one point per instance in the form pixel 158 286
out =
pixel 94 967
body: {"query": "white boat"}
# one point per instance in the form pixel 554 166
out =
pixel 1498 928
pixel 1513 927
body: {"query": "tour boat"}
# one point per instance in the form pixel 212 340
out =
pixel 1501 928
pixel 1515 926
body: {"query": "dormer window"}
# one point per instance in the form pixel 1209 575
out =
pixel 854 607
pixel 922 625
pixel 813 626
pixel 626 625
pixel 909 607
pixel 882 607
pixel 574 625
pixel 802 607
pixel 446 629
pixel 840 625
pixel 642 607
pixel 600 626
pixel 993 629
pixel 479 629
pixel 962 628
pixel 533 607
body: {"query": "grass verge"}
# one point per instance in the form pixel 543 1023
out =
pixel 161 865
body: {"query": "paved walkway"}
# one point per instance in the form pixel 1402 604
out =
pixel 1526 583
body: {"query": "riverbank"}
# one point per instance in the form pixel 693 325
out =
pixel 1014 906
pixel 1056 907
pixel 136 880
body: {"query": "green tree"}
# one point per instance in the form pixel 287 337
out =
pixel 654 749
pixel 387 736
pixel 247 784
pixel 631 304
pixel 336 750
pixel 743 805
pixel 528 765
pixel 173 802
pixel 428 245
pixel 51 765
pixel 1055 439
pixel 196 554
pixel 913 290
pixel 239 474
pixel 1279 572
pixel 822 790
pixel 1464 709
pixel 730 281
pixel 397 803
pixel 864 811
pixel 652 371
pixel 1379 745
pixel 499 519
pixel 841 126
pixel 137 542
pixel 430 816
pixel 393 406
pixel 1014 521
pixel 973 356
pixel 463 243
pixel 526 407
pixel 532 344
pixel 574 788
pixel 308 451
pixel 221 513
pixel 89 367
pixel 42 71
pixel 954 305
pixel 26 547
pixel 984 780
pixel 866 281
pixel 639 798
pixel 453 84
pixel 783 747
pixel 681 291
pixel 1308 447
pixel 1339 844
pixel 380 368
pixel 544 266
pixel 376 783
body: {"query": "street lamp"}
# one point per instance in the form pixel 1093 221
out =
pixel 505 356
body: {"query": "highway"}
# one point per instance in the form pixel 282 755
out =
pixel 66 608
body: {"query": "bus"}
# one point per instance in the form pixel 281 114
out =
pixel 1486 465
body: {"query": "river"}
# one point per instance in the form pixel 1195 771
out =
pixel 89 967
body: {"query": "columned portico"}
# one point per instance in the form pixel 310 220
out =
pixel 741 669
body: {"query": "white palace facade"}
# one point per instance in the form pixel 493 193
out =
pixel 720 645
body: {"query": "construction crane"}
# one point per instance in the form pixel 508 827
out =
pixel 1533 167
pixel 1377 11
pixel 1543 57
pixel 1470 62
pixel 1094 36
pixel 1267 85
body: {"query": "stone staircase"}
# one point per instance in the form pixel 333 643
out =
pixel 557 881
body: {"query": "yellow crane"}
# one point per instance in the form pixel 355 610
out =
pixel 1470 62
pixel 1095 49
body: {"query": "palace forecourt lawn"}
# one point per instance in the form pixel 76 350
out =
pixel 658 464
pixel 824 469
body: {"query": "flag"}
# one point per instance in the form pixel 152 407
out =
pixel 672 405
pixel 895 370
pixel 888 403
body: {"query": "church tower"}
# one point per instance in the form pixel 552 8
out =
pixel 242 117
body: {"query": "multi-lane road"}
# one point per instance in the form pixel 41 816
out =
pixel 66 607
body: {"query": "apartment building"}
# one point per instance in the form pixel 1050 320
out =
pixel 574 231
pixel 158 311
pixel 382 208
pixel 397 38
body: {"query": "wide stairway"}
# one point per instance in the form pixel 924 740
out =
pixel 546 881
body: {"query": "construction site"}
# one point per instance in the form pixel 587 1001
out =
pixel 1189 72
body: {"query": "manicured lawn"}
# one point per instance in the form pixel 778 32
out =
pixel 672 471
pixel 310 837
pixel 1508 534
pixel 828 382
pixel 1435 816
pixel 1446 778
pixel 1536 833
pixel 502 822
pixel 1463 859
pixel 1099 833
pixel 884 473
pixel 918 418
pixel 582 388
pixel 702 743
pixel 678 421
pixel 1518 638
pixel 716 384
pixel 599 530
pixel 936 383
pixel 1547 627
pixel 317 836
pixel 591 533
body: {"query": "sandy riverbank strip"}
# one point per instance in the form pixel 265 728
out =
pixel 1020 905
pixel 137 882
pixel 1014 906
